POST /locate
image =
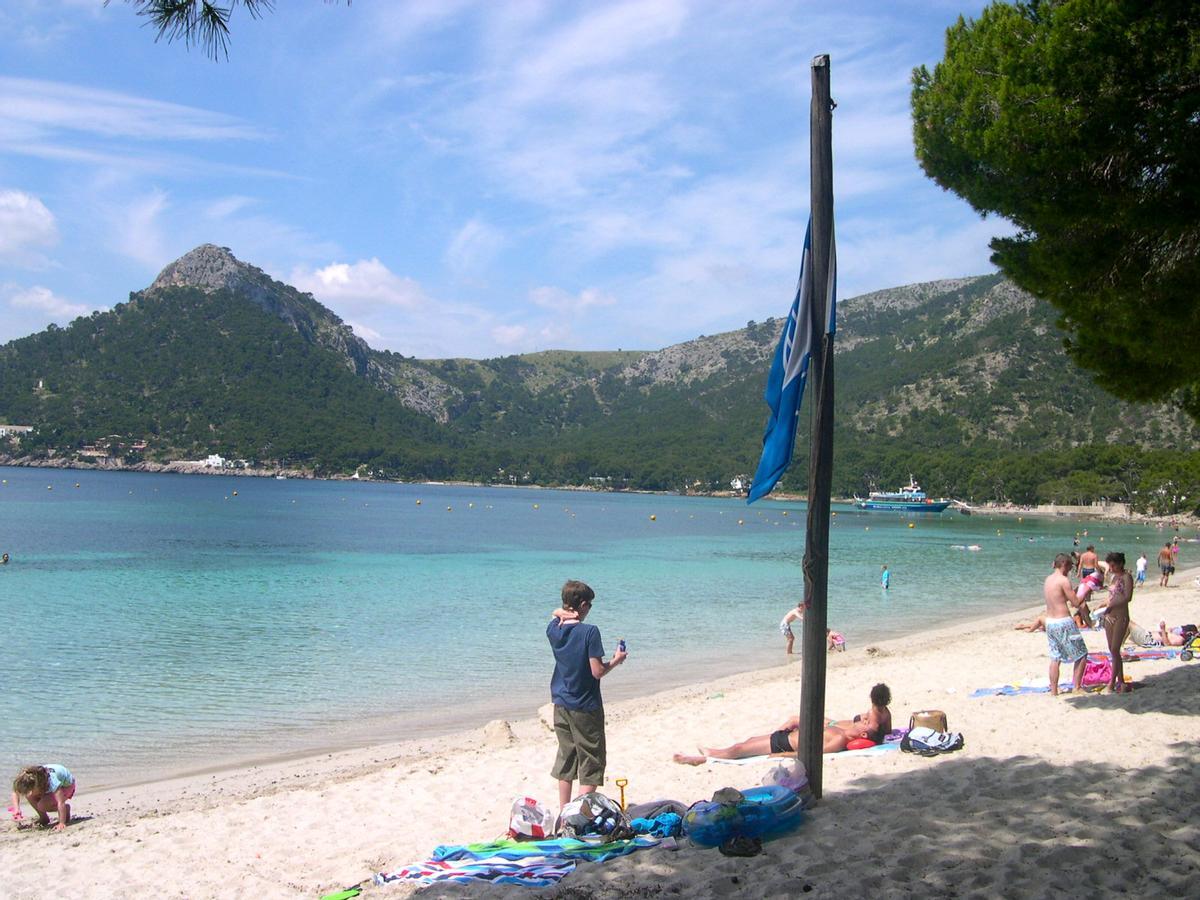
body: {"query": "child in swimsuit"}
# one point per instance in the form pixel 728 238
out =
pixel 47 788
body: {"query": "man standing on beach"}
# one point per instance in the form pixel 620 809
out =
pixel 1166 564
pixel 1062 634
pixel 1088 561
pixel 575 690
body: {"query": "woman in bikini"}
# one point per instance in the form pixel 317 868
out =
pixel 873 725
pixel 1116 618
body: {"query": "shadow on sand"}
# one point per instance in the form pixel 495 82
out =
pixel 958 827
pixel 1157 693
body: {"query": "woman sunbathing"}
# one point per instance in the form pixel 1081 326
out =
pixel 1177 636
pixel 872 725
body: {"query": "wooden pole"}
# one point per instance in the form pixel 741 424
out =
pixel 820 471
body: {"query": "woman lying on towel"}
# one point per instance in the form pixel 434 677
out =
pixel 872 725
pixel 1177 636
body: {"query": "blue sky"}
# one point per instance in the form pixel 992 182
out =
pixel 472 179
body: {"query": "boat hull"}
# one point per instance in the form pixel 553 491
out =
pixel 933 506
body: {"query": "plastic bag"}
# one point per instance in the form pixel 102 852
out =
pixel 595 814
pixel 529 819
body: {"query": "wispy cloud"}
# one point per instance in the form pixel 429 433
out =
pixel 137 230
pixel 52 106
pixel 559 301
pixel 473 247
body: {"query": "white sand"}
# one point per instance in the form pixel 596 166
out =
pixel 1068 796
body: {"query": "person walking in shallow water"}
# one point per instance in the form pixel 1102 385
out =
pixel 795 614
pixel 885 578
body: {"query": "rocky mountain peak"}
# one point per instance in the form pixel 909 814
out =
pixel 209 268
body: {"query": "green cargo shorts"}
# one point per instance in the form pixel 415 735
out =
pixel 581 750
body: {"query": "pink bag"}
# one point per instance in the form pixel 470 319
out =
pixel 1097 671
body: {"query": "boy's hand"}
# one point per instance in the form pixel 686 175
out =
pixel 618 657
pixel 566 615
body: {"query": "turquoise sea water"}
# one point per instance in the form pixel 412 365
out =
pixel 154 624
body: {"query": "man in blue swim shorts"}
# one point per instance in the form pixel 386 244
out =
pixel 1062 634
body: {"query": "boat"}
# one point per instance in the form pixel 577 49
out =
pixel 908 499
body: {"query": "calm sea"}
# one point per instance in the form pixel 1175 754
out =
pixel 154 624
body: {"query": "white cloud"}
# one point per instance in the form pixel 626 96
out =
pixel 559 301
pixel 473 247
pixel 26 227
pixel 364 285
pixel 43 300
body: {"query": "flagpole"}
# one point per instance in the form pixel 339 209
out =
pixel 820 473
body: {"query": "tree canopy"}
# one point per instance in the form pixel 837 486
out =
pixel 1079 121
pixel 197 21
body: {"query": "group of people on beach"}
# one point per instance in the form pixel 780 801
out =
pixel 579 666
pixel 1062 626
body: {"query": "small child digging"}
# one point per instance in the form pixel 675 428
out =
pixel 47 788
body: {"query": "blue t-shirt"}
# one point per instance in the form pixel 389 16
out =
pixel 573 685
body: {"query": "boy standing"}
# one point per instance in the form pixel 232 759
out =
pixel 575 690
pixel 1062 634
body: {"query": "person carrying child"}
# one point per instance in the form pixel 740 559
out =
pixel 575 691
pixel 47 788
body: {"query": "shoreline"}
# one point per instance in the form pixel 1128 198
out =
pixel 178 467
pixel 299 827
pixel 452 733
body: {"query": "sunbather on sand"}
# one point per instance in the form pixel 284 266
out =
pixel 1038 624
pixel 1177 636
pixel 872 725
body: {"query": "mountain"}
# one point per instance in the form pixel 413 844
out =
pixel 963 382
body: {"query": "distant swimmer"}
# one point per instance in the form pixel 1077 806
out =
pixel 4 560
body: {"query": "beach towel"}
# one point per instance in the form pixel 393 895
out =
pixel 753 760
pixel 566 848
pixel 1149 653
pixel 531 874
pixel 528 863
pixel 1013 690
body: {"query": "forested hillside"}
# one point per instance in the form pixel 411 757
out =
pixel 962 383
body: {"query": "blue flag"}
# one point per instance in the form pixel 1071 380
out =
pixel 789 373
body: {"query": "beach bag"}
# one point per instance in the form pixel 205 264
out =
pixel 934 719
pixel 793 777
pixel 927 742
pixel 595 814
pixel 529 819
pixel 1097 671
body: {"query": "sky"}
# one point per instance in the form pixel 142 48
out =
pixel 473 179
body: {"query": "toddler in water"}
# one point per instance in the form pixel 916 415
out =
pixel 47 788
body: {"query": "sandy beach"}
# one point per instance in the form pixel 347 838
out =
pixel 1074 796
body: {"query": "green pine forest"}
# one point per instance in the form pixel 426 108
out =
pixel 963 384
